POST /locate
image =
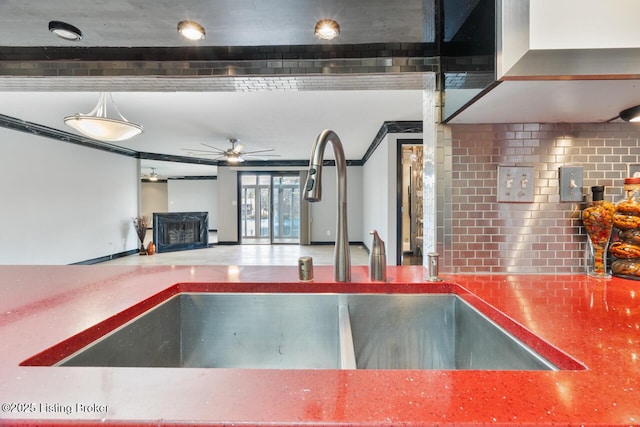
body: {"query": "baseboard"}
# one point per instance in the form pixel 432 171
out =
pixel 231 243
pixel 107 257
pixel 333 243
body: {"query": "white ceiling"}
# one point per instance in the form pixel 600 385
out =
pixel 176 122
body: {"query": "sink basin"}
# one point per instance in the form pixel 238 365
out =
pixel 280 331
pixel 433 332
pixel 309 331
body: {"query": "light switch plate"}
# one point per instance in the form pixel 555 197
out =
pixel 515 184
pixel 571 183
pixel 633 170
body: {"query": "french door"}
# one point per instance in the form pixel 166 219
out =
pixel 269 207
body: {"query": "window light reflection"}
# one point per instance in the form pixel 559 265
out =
pixel 233 273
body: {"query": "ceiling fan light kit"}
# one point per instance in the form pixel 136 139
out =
pixel 234 158
pixel 97 125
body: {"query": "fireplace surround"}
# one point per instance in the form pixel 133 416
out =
pixel 179 231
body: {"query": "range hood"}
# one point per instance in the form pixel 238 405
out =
pixel 552 67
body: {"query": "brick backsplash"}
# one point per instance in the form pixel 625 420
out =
pixel 480 235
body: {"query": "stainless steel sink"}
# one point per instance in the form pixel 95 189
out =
pixel 433 332
pixel 311 331
pixel 280 331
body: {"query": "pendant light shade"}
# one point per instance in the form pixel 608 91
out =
pixel 631 114
pixel 97 125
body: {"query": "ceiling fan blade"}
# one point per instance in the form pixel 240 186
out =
pixel 220 158
pixel 237 148
pixel 211 146
pixel 195 150
pixel 258 151
pixel 220 155
pixel 260 156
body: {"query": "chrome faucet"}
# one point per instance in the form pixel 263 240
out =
pixel 313 193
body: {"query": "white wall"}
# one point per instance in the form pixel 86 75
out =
pixel 154 198
pixel 324 213
pixel 379 196
pixel 82 208
pixel 227 205
pixel 63 203
pixel 194 195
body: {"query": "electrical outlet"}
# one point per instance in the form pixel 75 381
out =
pixel 328 232
pixel 515 184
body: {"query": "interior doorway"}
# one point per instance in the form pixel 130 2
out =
pixel 410 206
pixel 269 208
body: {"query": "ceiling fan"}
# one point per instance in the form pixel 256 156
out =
pixel 152 176
pixel 235 154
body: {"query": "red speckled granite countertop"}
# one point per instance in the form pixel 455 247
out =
pixel 596 322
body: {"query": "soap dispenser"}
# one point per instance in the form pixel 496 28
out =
pixel 377 259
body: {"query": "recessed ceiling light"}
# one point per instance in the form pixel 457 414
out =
pixel 327 29
pixel 191 30
pixel 65 31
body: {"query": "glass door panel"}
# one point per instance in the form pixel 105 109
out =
pixel 264 214
pixel 248 212
pixel 270 208
pixel 255 209
pixel 286 208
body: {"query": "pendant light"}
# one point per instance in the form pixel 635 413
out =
pixel 97 125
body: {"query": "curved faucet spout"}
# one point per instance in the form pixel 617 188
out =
pixel 313 193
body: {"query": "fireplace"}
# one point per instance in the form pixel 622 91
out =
pixel 179 231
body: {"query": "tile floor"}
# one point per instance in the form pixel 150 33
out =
pixel 245 255
pixel 250 255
